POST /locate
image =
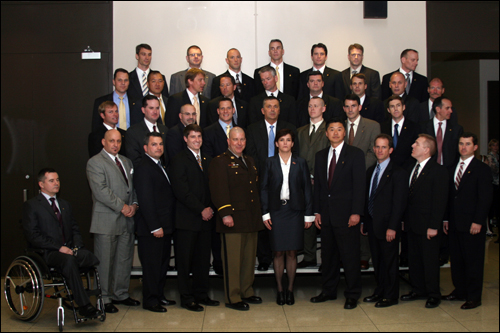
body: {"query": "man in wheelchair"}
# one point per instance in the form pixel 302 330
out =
pixel 49 226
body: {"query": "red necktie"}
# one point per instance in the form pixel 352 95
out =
pixel 121 169
pixel 331 170
pixel 439 140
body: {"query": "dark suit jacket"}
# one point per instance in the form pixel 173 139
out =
pixel 156 199
pixel 241 109
pixel 418 88
pixel 401 155
pixel 174 108
pixel 333 109
pixel 347 193
pixel 95 140
pixel 41 225
pixel 331 79
pixel 247 87
pixel 135 142
pixel 135 88
pixel 287 108
pixel 175 141
pixel 134 110
pixel 390 200
pixel 191 189
pixel 373 109
pixel 291 80
pixel 427 203
pixel 471 202
pixel 450 142
pixel 372 81
pixel 299 183
pixel 257 142
pixel 214 140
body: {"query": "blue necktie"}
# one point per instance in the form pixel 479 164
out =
pixel 396 135
pixel 271 142
pixel 374 190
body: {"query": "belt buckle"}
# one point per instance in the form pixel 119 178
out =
pixel 284 202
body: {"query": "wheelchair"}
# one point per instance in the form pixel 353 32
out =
pixel 27 280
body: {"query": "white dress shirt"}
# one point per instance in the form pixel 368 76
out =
pixel 466 165
pixel 422 166
pixel 330 154
pixel 393 122
pixel 150 125
pixel 355 128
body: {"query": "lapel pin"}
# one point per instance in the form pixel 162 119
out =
pixel 289 74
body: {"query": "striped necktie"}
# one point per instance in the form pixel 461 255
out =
pixel 144 84
pixel 459 175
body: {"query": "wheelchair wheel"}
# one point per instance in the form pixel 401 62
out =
pixel 24 290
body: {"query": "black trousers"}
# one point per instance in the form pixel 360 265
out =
pixel 423 259
pixel 193 256
pixel 340 243
pixel 467 264
pixel 264 251
pixel 385 265
pixel 154 254
pixel 70 266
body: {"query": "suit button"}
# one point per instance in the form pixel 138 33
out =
pixel 328 195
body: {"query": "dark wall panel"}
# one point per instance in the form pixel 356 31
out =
pixel 462 26
pixel 47 99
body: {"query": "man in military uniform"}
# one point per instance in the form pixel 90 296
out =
pixel 233 186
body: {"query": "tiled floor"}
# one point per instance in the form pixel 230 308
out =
pixel 303 316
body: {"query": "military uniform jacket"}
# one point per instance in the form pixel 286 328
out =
pixel 234 190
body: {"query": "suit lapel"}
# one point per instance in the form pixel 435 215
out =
pixel 423 175
pixel 108 160
pixel 385 178
pixel 346 78
pixel 359 133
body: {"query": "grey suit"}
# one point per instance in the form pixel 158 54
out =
pixel 113 231
pixel 178 83
pixel 308 147
pixel 365 136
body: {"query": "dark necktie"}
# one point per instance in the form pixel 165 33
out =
pixel 396 136
pixel 374 190
pixel 312 132
pixel 59 217
pixel 154 128
pixel 414 178
pixel 238 83
pixel 408 83
pixel 121 169
pixel 439 141
pixel 331 170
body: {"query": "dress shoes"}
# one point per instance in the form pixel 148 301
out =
pixel 364 265
pixel 304 264
pixel 322 298
pixel 165 301
pixel 88 311
pixel 252 299
pixel 110 308
pixel 452 297
pixel 192 306
pixel 155 308
pixel 128 301
pixel 290 299
pixel 280 298
pixel 240 306
pixel 350 303
pixel 208 302
pixel 372 299
pixel 263 267
pixel 432 302
pixel 386 302
pixel 470 305
pixel 412 297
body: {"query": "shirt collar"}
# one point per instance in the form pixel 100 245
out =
pixel 356 122
pixel 318 124
pixel 320 95
pixel 338 148
pixel 401 122
pixel 108 127
pixel 48 197
pixel 154 159
pixel 322 69
pixel 150 125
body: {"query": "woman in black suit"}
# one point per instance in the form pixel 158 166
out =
pixel 286 199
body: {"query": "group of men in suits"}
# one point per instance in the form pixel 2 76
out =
pixel 279 96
